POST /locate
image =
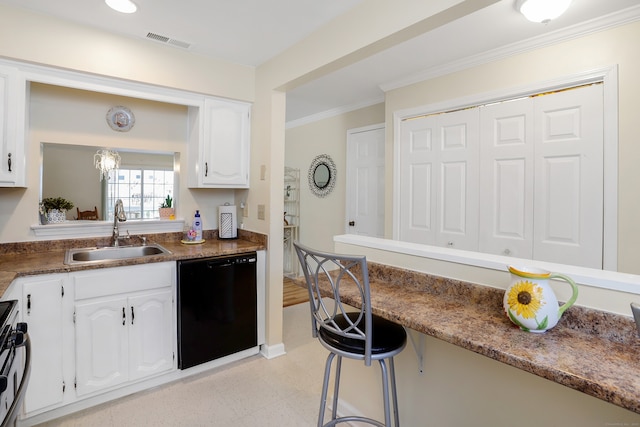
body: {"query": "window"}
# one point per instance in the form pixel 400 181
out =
pixel 142 191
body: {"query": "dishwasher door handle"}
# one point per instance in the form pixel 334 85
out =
pixel 220 264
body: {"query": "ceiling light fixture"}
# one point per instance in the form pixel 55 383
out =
pixel 542 10
pixel 124 6
pixel 105 161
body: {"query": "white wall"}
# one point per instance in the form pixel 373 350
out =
pixel 321 218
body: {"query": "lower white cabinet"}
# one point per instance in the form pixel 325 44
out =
pixel 122 338
pixel 43 310
pixel 96 329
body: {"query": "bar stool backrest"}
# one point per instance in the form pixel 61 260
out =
pixel 328 274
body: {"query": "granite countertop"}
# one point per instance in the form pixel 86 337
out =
pixel 32 258
pixel 589 350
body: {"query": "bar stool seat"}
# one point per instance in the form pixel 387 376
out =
pixel 347 333
pixel 388 337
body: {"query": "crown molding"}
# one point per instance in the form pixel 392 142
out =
pixel 606 22
pixel 603 23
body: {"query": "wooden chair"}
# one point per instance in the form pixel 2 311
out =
pixel 88 215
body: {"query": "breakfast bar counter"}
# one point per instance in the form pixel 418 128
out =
pixel 589 350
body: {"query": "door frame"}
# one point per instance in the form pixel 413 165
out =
pixel 607 75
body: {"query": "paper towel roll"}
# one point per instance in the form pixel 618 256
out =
pixel 227 222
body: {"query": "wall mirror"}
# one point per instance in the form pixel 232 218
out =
pixel 322 175
pixel 68 171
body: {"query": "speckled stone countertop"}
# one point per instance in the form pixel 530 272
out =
pixel 46 257
pixel 595 352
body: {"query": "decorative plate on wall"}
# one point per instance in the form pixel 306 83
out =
pixel 120 118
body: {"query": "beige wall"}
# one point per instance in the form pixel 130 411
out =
pixel 323 218
pixel 614 47
pixel 370 27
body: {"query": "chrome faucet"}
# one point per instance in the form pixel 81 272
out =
pixel 118 216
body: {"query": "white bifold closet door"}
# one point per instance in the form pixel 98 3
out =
pixel 542 177
pixel 439 180
pixel 522 178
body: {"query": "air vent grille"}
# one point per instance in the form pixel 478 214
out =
pixel 168 40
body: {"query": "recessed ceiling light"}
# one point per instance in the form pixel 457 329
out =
pixel 124 6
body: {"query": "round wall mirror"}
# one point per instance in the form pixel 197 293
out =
pixel 322 175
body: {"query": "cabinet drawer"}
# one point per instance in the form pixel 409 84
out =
pixel 112 281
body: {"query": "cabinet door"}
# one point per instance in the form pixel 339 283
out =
pixel 226 144
pixel 12 118
pixel 43 311
pixel 101 344
pixel 150 333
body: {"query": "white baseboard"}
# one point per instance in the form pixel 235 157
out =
pixel 272 351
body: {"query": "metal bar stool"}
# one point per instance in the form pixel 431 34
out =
pixel 356 335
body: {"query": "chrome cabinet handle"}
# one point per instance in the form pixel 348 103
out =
pixel 132 315
pixel 206 169
pixel 9 161
pixel 124 317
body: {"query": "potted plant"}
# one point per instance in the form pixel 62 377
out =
pixel 55 208
pixel 166 208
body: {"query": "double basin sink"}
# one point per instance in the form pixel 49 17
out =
pixel 97 255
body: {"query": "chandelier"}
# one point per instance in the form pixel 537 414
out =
pixel 106 160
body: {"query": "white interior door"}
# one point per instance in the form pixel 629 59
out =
pixel 506 181
pixel 365 181
pixel 418 159
pixel 568 213
pixel 439 180
pixel 457 215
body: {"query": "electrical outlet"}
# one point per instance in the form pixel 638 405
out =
pixel 260 211
pixel 263 173
pixel 245 210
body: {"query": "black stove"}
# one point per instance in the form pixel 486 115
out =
pixel 14 371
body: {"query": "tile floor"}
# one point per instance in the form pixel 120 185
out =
pixel 281 392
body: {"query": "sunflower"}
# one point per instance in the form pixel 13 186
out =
pixel 525 298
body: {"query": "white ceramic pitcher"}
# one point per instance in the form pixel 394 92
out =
pixel 530 302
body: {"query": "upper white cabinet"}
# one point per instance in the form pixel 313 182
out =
pixel 12 125
pixel 219 155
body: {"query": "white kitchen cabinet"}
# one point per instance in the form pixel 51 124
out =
pixel 12 125
pixel 219 156
pixel 124 325
pixel 121 339
pixel 43 310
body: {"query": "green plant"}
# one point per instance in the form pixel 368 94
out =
pixel 167 202
pixel 58 203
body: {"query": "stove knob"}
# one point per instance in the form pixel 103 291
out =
pixel 17 338
pixel 22 327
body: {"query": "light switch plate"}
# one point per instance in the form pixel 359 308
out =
pixel 260 211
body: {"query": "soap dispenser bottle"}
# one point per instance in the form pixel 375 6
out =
pixel 197 225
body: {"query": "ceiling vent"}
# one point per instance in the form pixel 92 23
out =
pixel 168 40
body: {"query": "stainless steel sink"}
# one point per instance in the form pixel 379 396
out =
pixel 106 254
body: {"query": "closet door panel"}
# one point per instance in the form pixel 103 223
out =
pixel 506 181
pixel 569 172
pixel 457 196
pixel 417 159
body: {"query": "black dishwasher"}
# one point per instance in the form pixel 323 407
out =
pixel 217 308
